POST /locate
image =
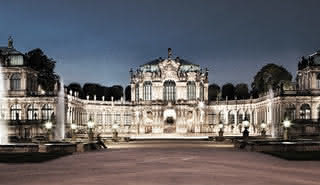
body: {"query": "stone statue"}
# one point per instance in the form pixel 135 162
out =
pixel 10 42
pixel 169 52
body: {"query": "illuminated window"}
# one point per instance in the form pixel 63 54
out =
pixel 147 91
pixel 169 92
pixel 201 92
pixel 191 91
pixel 305 111
pixel 32 112
pixel 47 112
pixel 15 81
pixel 15 112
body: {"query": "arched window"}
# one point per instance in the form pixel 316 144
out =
pixel 305 111
pixel 191 91
pixel 169 92
pixel 147 91
pixel 15 112
pixel 240 117
pixel 15 81
pixel 201 92
pixel 318 81
pixel 47 111
pixel 32 112
pixel 137 92
pixel 290 112
pixel 231 118
pixel 221 117
pixel 247 116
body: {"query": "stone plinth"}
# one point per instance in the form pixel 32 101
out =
pixel 19 148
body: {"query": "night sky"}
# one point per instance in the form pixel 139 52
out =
pixel 99 41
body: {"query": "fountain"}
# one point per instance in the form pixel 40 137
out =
pixel 3 104
pixel 60 127
pixel 271 95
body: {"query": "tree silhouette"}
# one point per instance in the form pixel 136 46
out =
pixel 242 91
pixel 228 91
pixel 45 66
pixel 213 92
pixel 127 92
pixel 268 77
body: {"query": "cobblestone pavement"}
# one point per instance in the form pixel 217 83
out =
pixel 164 162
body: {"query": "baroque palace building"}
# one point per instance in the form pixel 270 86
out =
pixel 169 96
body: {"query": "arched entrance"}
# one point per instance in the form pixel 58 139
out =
pixel 169 117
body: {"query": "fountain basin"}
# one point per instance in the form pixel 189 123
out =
pixel 19 148
pixel 58 147
pixel 279 146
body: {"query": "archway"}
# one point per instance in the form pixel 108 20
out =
pixel 169 117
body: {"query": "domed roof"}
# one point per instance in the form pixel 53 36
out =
pixel 185 65
pixel 159 60
pixel 9 51
pixel 315 58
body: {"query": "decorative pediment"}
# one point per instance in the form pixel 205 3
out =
pixel 169 68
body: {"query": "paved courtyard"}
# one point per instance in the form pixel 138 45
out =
pixel 174 162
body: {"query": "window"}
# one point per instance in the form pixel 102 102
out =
pixel 240 118
pixel 117 118
pixel 108 118
pixel 221 117
pixel 201 92
pixel 290 112
pixel 15 81
pixel 147 91
pixel 247 116
pixel 15 112
pixel 47 112
pixel 127 118
pixel 230 118
pixel 99 118
pixel 169 92
pixel 137 92
pixel 305 111
pixel 16 60
pixel 191 91
pixel 32 112
pixel 211 117
pixel 31 83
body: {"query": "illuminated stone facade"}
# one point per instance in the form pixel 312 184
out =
pixel 169 97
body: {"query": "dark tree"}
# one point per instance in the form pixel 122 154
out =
pixel 117 92
pixel 127 92
pixel 228 91
pixel 107 93
pixel 76 87
pixel 242 91
pixel 40 62
pixel 92 89
pixel 268 77
pixel 213 92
